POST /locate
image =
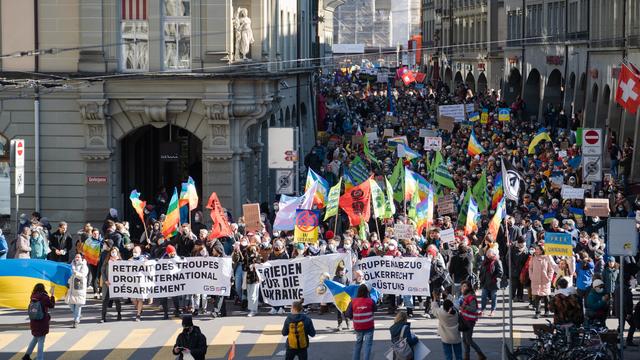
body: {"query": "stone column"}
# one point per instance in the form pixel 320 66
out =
pixel 217 154
pixel 97 156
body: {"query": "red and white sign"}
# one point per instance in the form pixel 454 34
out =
pixel 628 90
pixel 19 146
pixel 592 141
pixel 97 180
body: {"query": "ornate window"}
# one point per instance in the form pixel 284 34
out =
pixel 177 34
pixel 134 30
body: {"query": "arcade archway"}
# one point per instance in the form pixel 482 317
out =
pixel 514 86
pixel 553 90
pixel 532 94
pixel 482 84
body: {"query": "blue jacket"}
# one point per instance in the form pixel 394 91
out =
pixel 309 330
pixel 584 277
pixel 4 247
pixel 595 305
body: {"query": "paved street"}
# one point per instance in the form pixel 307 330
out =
pixel 256 338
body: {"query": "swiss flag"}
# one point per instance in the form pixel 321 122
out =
pixel 408 77
pixel 420 77
pixel 628 91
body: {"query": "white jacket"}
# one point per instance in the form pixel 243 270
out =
pixel 447 325
pixel 77 293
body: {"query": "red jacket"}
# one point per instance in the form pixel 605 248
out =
pixel 41 327
pixel 362 310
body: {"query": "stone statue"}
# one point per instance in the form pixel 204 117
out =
pixel 244 34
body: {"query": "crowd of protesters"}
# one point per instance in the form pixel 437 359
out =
pixel 582 288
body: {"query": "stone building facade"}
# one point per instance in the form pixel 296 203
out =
pixel 141 94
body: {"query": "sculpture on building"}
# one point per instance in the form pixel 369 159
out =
pixel 243 32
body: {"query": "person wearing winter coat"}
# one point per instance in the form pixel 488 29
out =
pixel 114 255
pixel 341 278
pixel 490 273
pixel 519 257
pixel 541 271
pixel 629 282
pixel 448 329
pixel 40 328
pixel 610 275
pixel 467 305
pixel 39 247
pixel 297 316
pixel 190 341
pixel 77 293
pixel 584 273
pixel 596 304
pixel 566 306
pixel 23 244
pixel 460 266
pixel 60 243
pixel 4 247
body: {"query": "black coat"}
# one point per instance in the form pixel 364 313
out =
pixel 193 340
pixel 60 241
pixel 460 266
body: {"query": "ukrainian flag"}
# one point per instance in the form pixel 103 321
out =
pixel 343 294
pixel 19 276
pixel 541 135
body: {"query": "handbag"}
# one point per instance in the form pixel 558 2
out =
pixel 401 348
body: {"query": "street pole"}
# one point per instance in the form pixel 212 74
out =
pixel 621 308
pixel 506 232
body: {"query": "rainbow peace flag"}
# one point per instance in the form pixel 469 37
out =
pixel 91 250
pixel 494 224
pixel 410 184
pixel 471 223
pixel 323 188
pixel 342 294
pixel 474 148
pixel 172 220
pixel 498 191
pixel 138 205
pixel 19 276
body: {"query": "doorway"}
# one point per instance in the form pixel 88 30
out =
pixel 158 158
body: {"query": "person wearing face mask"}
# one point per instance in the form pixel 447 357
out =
pixel 191 341
pixel 95 241
pixel 341 277
pixel 170 253
pixel 114 255
pixel 253 283
pixel 596 304
pixel 519 257
pixel 278 253
pixel 136 255
pixel 238 256
pixel 541 270
pixel 77 294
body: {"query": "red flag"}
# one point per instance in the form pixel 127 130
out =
pixel 232 352
pixel 356 203
pixel 220 227
pixel 408 77
pixel 401 71
pixel 628 90
pixel 420 77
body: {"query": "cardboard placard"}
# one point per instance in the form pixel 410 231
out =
pixel 372 136
pixel 432 143
pixel 569 192
pixel 596 207
pixel 457 112
pixel 447 236
pixel 446 205
pixel 426 132
pixel 403 231
pixel 251 213
pixel 446 123
pixel 388 133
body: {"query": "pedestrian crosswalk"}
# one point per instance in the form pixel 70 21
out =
pixel 145 342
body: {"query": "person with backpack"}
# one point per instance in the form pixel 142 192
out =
pixel 297 327
pixel 39 319
pixel 402 338
pixel 468 307
pixel 360 311
pixel 448 329
pixel 190 341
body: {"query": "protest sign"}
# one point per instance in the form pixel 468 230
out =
pixel 397 276
pixel 382 77
pixel 569 192
pixel 557 180
pixel 469 108
pixel 447 235
pixel 170 277
pixel 562 154
pixel 558 244
pixel 403 231
pixel 454 111
pixel 445 205
pixel 426 132
pixel 484 116
pixel 388 133
pixel 446 123
pixel 504 114
pixel 314 271
pixel 596 207
pixel 357 139
pixel 306 228
pixel 432 143
pixel 280 281
pixel 372 136
pixel 251 213
pixel 394 141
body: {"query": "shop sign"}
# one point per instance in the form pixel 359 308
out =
pixel 555 60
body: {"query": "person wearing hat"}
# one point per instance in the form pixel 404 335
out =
pixel 610 275
pixel 190 341
pixel 541 270
pixel 596 304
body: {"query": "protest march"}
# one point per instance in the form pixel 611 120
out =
pixel 425 194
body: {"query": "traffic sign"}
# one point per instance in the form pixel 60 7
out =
pixel 623 237
pixel 284 182
pixel 592 141
pixel 591 168
pixel 19 180
pixel 19 152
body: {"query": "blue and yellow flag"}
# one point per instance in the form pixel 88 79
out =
pixel 19 276
pixel 342 294
pixel 542 134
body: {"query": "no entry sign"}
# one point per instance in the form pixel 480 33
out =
pixel 592 141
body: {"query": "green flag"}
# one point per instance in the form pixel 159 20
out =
pixel 367 152
pixel 377 199
pixel 443 177
pixel 462 218
pixel 397 181
pixel 333 201
pixel 437 159
pixel 362 230
pixel 479 192
pixel 411 211
pixel 390 206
